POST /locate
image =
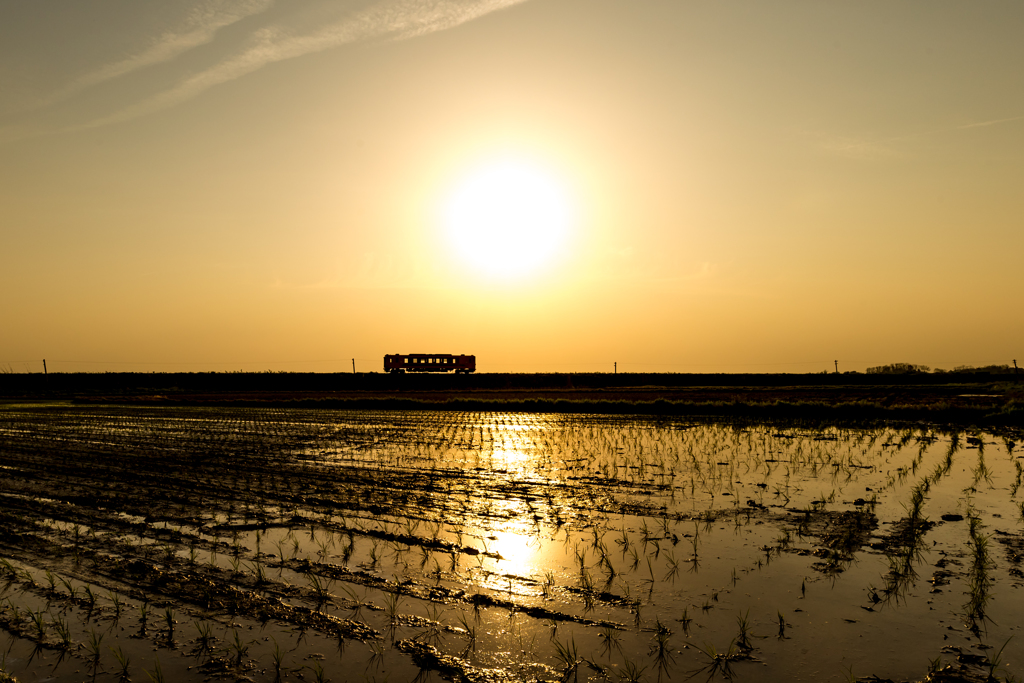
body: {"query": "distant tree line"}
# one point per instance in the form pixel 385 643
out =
pixel 911 368
pixel 898 369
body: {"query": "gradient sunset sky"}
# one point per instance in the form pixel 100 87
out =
pixel 741 186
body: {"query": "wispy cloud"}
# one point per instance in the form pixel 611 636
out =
pixel 994 122
pixel 199 28
pixel 268 44
pixel 857 148
pixel 873 149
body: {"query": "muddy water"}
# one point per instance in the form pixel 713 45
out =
pixel 202 544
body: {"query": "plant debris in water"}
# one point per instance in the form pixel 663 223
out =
pixel 208 543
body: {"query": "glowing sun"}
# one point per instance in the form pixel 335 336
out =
pixel 507 219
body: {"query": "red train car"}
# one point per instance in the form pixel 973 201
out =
pixel 429 362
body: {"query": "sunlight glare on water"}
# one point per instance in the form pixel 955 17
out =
pixel 518 553
pixel 495 538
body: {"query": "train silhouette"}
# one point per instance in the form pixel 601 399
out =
pixel 429 362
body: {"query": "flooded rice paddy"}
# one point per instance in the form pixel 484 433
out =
pixel 196 544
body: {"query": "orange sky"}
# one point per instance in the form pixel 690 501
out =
pixel 754 187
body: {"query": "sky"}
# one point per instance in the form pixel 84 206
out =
pixel 551 185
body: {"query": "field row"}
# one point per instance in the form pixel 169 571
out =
pixel 274 544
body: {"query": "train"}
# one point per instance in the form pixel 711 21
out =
pixel 429 362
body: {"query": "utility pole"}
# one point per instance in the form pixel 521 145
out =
pixel 616 366
pixel 1015 368
pixel 353 366
pixel 837 367
pixel 44 365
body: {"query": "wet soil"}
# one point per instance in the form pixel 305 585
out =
pixel 992 404
pixel 216 543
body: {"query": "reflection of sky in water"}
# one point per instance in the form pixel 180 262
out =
pixel 496 441
pixel 519 553
pixel 712 521
pixel 506 458
pixel 512 445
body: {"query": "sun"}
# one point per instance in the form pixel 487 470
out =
pixel 507 219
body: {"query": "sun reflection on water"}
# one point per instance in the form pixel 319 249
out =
pixel 518 553
pixel 504 458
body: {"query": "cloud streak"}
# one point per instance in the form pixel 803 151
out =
pixel 203 25
pixel 200 28
pixel 858 148
pixel 873 149
pixel 994 122
pixel 383 19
